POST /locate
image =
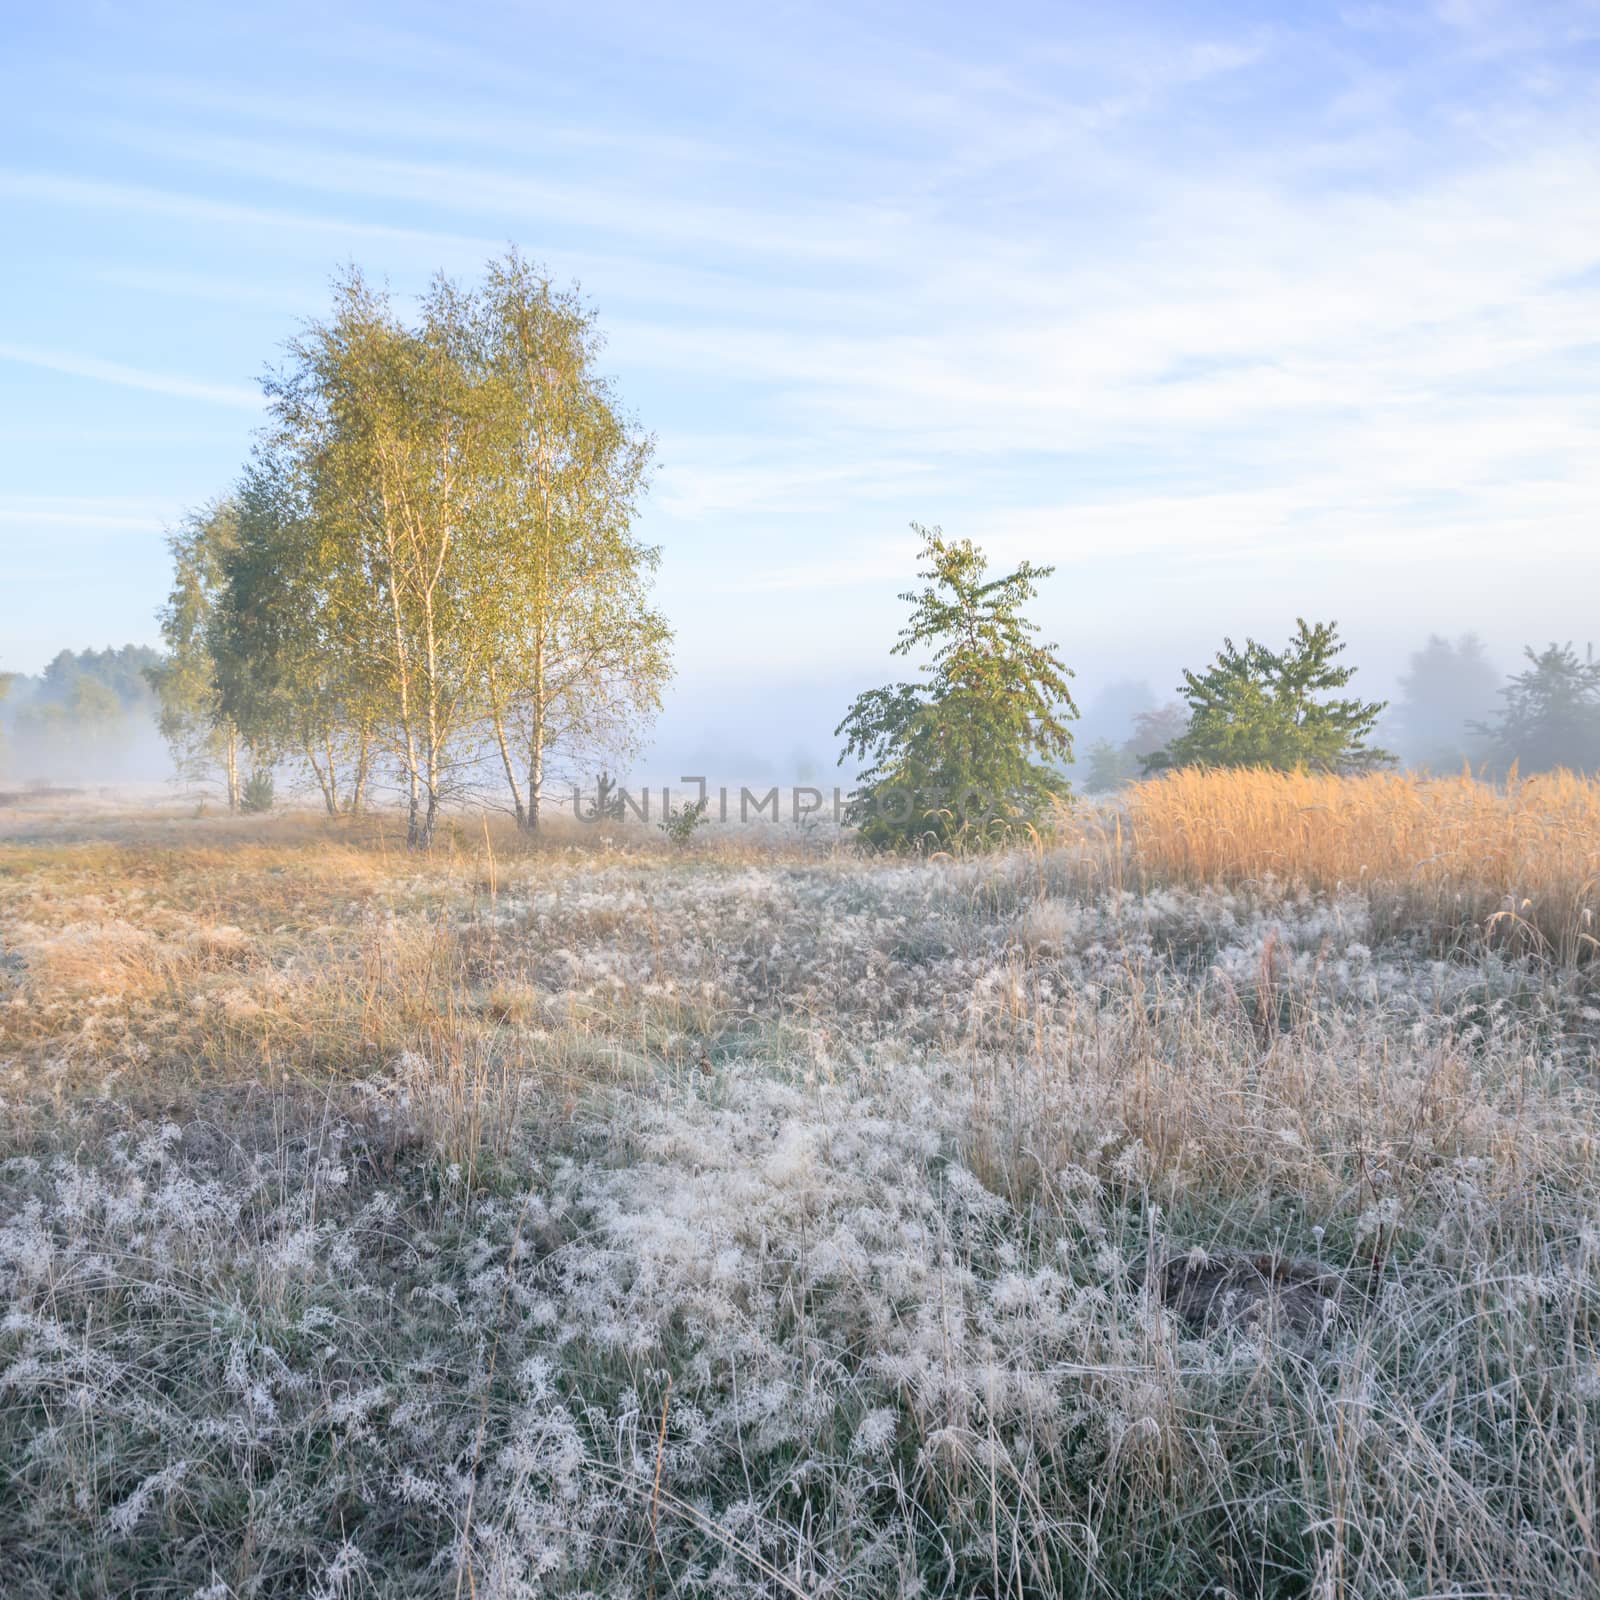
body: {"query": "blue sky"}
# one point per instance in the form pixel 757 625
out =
pixel 1231 311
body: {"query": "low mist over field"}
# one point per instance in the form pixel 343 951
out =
pixel 800 804
pixel 751 728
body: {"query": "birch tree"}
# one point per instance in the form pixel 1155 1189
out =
pixel 387 425
pixel 577 656
pixel 438 557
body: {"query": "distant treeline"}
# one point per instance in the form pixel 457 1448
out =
pixel 89 716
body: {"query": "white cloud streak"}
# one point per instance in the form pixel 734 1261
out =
pixel 52 514
pixel 126 377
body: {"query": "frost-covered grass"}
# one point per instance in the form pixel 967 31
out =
pixel 613 1222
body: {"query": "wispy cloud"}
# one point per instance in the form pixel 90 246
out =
pixel 508 128
pixel 126 377
pixel 883 562
pixel 478 189
pixel 230 289
pixel 144 200
pixel 86 513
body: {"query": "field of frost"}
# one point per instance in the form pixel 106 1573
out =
pixel 609 1221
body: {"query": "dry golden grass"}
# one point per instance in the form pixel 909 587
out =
pixel 1519 863
pixel 158 952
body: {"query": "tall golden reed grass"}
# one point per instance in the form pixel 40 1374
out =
pixel 1519 862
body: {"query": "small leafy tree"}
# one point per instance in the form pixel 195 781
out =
pixel 258 792
pixel 1551 716
pixel 681 821
pixel 190 716
pixel 963 754
pixel 608 804
pixel 1261 708
pixel 290 655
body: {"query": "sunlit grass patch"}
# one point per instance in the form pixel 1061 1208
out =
pixel 1518 864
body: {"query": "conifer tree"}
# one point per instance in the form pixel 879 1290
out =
pixel 1551 716
pixel 965 754
pixel 1255 707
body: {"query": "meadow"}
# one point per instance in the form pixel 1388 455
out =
pixel 1202 1201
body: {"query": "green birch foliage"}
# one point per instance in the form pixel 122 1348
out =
pixel 443 566
pixel 293 659
pixel 579 655
pixel 965 755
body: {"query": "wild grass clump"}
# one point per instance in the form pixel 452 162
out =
pixel 1518 863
